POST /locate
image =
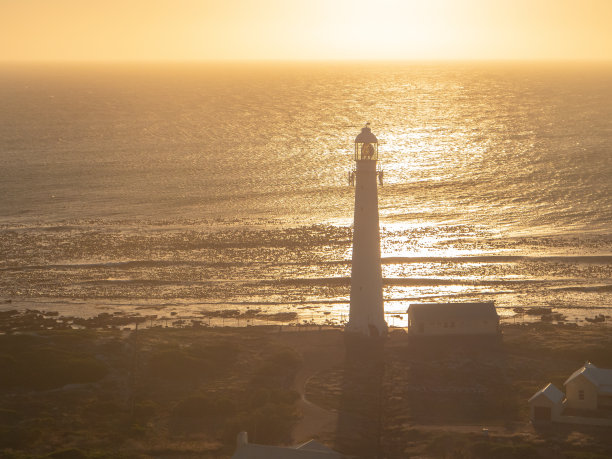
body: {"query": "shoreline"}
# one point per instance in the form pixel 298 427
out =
pixel 77 313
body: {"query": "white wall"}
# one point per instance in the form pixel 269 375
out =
pixel 572 393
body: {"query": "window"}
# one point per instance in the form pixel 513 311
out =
pixel 580 394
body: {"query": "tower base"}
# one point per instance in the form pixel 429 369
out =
pixel 360 347
pixel 367 330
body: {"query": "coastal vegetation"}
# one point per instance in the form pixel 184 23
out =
pixel 187 392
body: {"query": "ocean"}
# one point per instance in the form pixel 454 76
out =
pixel 219 191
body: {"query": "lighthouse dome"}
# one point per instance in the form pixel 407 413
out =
pixel 366 136
pixel 366 145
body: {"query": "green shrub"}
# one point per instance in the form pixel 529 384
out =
pixel 104 409
pixel 443 444
pixel 273 423
pixel 489 449
pixel 12 454
pixel 46 368
pixel 8 376
pixel 9 417
pixel 176 364
pixel 584 455
pixel 202 407
pixel 277 369
pixel 219 355
pixel 286 358
pixel 71 453
pixel 268 424
pixel 145 410
pixel 414 435
pixel 18 437
pixel 262 396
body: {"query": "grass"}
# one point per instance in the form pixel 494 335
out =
pixel 188 392
pixel 111 394
pixel 41 363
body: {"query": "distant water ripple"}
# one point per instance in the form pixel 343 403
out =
pixel 184 187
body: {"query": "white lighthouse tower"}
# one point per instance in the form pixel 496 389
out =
pixel 366 312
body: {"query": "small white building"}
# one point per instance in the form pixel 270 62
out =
pixel 310 450
pixel 431 319
pixel 546 404
pixel 587 398
pixel 589 388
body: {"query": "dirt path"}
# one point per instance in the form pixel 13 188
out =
pixel 319 353
pixel 316 422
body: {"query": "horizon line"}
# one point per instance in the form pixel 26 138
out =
pixel 305 61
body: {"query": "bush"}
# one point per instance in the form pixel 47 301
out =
pixel 9 366
pixel 219 355
pixel 278 369
pixel 176 364
pixel 46 368
pixel 268 424
pixel 273 423
pixel 50 368
pixel 445 444
pixel 286 358
pixel 203 407
pixel 585 455
pixel 19 437
pixel 71 453
pixel 145 410
pixel 262 396
pixel 104 409
pixel 9 417
pixel 487 449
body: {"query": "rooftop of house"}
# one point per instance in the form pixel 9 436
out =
pixel 550 392
pixel 310 450
pixel 600 377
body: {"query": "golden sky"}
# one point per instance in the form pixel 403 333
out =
pixel 304 29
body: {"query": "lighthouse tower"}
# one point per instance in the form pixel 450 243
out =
pixel 366 313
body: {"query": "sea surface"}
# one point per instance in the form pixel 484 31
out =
pixel 180 191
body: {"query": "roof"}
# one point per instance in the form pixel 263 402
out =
pixel 600 377
pixel 313 445
pixel 449 311
pixel 254 451
pixel 550 392
pixel 366 136
pixel 310 450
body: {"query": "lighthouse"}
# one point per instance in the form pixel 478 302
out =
pixel 366 317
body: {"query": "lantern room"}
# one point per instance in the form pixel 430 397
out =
pixel 366 145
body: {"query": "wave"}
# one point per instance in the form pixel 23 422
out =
pixel 328 282
pixel 131 264
pixel 594 259
pixel 587 289
pixel 586 259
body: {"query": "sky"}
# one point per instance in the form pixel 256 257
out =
pixel 133 30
